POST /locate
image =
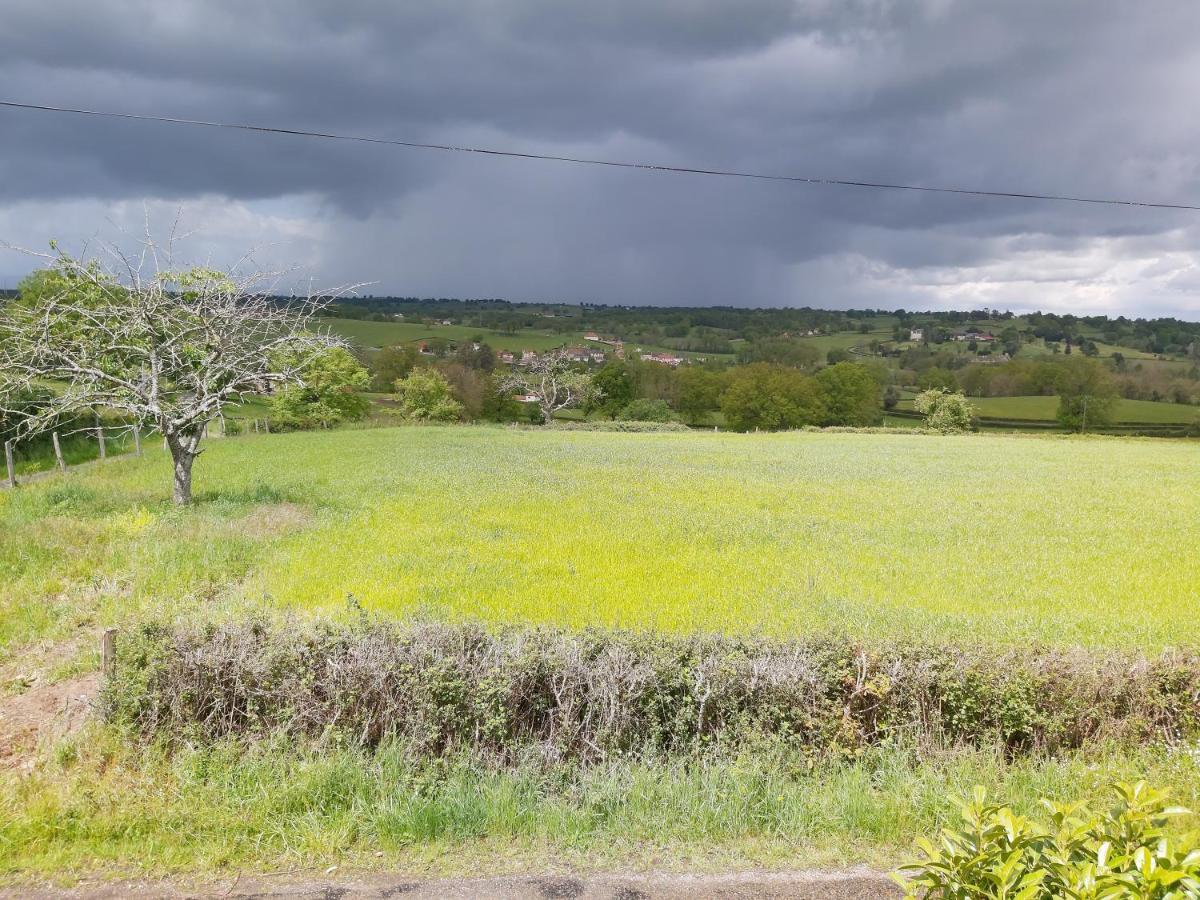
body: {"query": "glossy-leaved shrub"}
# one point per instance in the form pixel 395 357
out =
pixel 1125 851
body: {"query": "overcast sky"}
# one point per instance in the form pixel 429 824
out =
pixel 1087 97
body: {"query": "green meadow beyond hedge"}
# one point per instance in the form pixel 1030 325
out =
pixel 995 539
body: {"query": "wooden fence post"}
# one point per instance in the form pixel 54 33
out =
pixel 58 457
pixel 256 426
pixel 137 440
pixel 8 461
pixel 108 652
pixel 267 425
pixel 100 438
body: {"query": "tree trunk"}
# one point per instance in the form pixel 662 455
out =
pixel 183 454
pixel 183 477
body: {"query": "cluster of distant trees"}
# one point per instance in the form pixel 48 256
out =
pixel 756 396
pixel 766 396
pixel 1024 377
pixel 712 329
pixel 468 375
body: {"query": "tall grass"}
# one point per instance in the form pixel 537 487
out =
pixel 76 448
pixel 100 806
pixel 980 540
pixel 996 539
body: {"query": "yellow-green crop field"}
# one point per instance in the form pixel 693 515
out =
pixel 1064 540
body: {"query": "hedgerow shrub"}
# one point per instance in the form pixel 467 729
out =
pixel 945 412
pixel 995 853
pixel 591 695
pixel 621 425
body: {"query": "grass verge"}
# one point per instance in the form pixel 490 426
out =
pixel 100 807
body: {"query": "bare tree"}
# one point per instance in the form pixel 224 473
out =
pixel 170 348
pixel 553 381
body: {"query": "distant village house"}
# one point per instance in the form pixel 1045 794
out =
pixel 665 359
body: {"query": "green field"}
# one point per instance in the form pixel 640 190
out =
pixel 1045 408
pixel 988 540
pixel 780 534
pixel 386 334
pixel 1127 352
pixel 844 340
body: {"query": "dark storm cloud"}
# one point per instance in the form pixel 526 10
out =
pixel 1076 96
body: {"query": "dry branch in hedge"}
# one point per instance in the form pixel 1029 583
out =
pixel 592 695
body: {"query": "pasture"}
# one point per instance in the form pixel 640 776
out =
pixel 1005 538
pixel 981 540
pixel 384 334
pixel 1045 408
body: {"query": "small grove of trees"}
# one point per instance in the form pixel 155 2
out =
pixel 328 391
pixel 424 396
pixel 1087 394
pixel 937 378
pixel 944 411
pixel 697 393
pixel 850 395
pixel 615 387
pixel 169 348
pixel 391 364
pixel 1134 379
pixel 772 398
pixel 760 395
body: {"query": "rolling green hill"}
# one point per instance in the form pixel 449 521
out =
pixel 384 334
pixel 1044 408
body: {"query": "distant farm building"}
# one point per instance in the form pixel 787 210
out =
pixel 665 359
pixel 584 355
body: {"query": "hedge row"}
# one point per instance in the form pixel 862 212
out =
pixel 619 425
pixel 588 696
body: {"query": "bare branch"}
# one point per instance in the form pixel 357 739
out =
pixel 553 380
pixel 170 348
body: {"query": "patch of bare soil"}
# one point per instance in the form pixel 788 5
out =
pixel 44 712
pixel 273 518
pixel 853 884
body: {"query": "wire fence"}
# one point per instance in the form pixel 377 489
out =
pixel 61 449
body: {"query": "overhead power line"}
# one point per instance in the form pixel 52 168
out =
pixel 649 167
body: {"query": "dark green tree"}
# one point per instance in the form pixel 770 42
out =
pixel 849 395
pixel 329 393
pixel 391 364
pixel 1087 394
pixel 616 388
pixel 937 379
pixel 771 398
pixel 698 393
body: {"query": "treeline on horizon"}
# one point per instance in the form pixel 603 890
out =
pixel 711 328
